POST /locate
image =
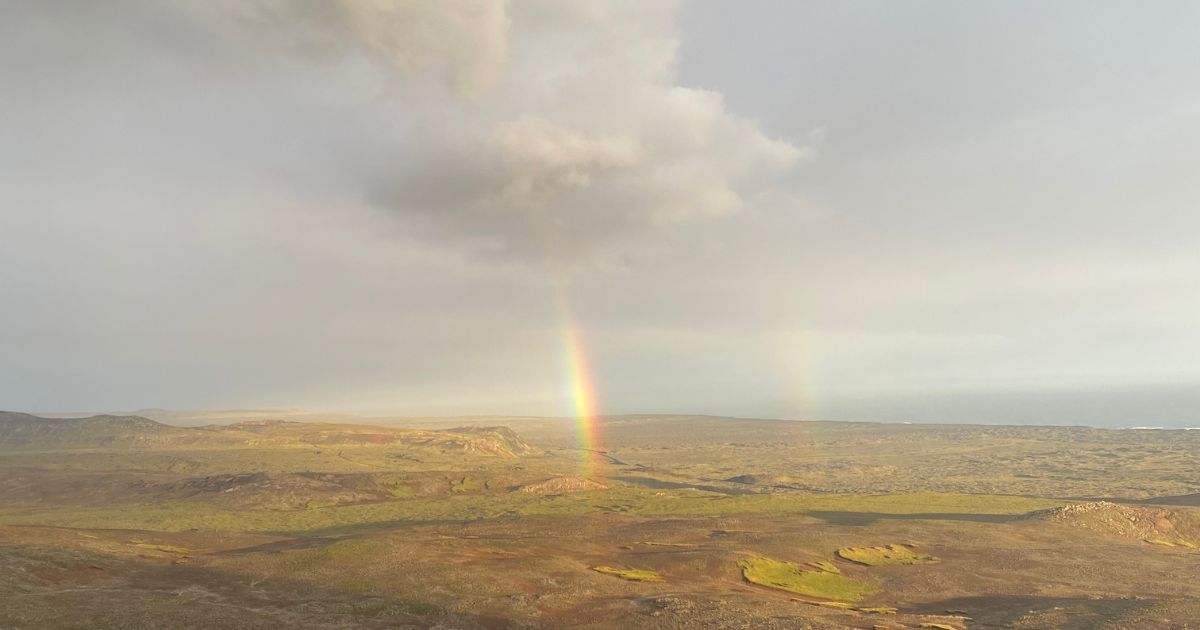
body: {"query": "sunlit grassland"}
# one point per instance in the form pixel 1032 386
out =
pixel 186 515
pixel 866 458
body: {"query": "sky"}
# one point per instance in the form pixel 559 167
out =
pixel 904 211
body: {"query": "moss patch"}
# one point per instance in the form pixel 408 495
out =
pixel 794 578
pixel 636 575
pixel 885 554
pixel 1173 542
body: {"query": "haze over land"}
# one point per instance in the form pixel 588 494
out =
pixel 919 211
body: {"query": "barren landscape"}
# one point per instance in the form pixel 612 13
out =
pixel 679 522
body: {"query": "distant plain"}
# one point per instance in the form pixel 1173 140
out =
pixel 671 522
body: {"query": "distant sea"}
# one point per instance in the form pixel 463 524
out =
pixel 1164 407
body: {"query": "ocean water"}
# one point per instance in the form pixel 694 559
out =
pixel 1163 407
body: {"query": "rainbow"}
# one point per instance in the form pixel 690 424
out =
pixel 582 392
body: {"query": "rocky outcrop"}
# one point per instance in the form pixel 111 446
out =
pixel 562 485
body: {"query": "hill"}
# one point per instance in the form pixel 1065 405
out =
pixel 500 441
pixel 24 432
pixel 20 431
pixel 1157 525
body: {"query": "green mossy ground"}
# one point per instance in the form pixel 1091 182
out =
pixel 885 554
pixel 634 575
pixel 175 516
pixel 795 578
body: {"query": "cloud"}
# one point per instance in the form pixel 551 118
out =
pixel 460 43
pixel 349 203
pixel 531 129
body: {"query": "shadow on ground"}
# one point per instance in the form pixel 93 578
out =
pixel 870 518
pixel 1007 611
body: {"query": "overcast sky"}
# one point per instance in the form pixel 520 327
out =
pixel 947 211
